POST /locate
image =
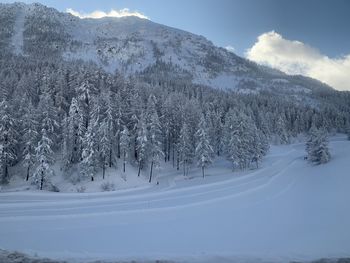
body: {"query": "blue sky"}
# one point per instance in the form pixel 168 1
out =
pixel 322 26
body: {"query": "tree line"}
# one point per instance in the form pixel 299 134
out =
pixel 88 120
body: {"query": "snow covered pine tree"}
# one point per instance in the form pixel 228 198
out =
pixel 317 146
pixel 44 155
pixel 124 145
pixel 185 148
pixel 204 151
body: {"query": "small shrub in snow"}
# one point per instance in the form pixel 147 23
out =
pixel 73 176
pixel 81 189
pixel 107 186
pixel 54 188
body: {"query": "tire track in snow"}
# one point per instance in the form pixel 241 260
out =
pixel 169 199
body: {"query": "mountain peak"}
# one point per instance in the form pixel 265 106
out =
pixel 132 45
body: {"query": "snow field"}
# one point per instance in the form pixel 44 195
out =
pixel 286 210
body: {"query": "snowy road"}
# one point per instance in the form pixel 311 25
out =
pixel 286 210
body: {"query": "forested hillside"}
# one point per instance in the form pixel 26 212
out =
pixel 85 118
pixel 80 116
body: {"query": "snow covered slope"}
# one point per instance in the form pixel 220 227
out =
pixel 287 210
pixel 132 44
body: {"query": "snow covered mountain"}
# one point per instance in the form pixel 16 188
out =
pixel 131 45
pixel 198 151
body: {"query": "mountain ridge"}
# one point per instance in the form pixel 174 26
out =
pixel 131 45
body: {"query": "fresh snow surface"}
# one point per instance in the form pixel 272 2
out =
pixel 115 177
pixel 286 210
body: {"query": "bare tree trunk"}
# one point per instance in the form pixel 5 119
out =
pixel 103 171
pixel 124 161
pixel 6 172
pixel 169 147
pixel 135 150
pixel 42 180
pixel 177 161
pixel 203 171
pixel 118 144
pixel 138 174
pixel 151 172
pixel 184 168
pixel 165 150
pixel 28 168
pixel 110 157
pixel 173 156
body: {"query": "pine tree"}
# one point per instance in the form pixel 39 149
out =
pixel 240 141
pixel 141 143
pixel 44 155
pixel 261 146
pixel 215 131
pixel 85 92
pixel 204 151
pixel 75 133
pixel 155 143
pixel 65 147
pixel 118 127
pixel 8 140
pixel 245 144
pixel 312 137
pixel 104 145
pixel 30 138
pixel 90 153
pixel 133 136
pixel 233 147
pixel 317 146
pixel 109 119
pixel 124 145
pixel 281 131
pixel 185 148
pixel 49 117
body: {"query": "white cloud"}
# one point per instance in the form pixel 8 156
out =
pixel 294 57
pixel 113 13
pixel 230 48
